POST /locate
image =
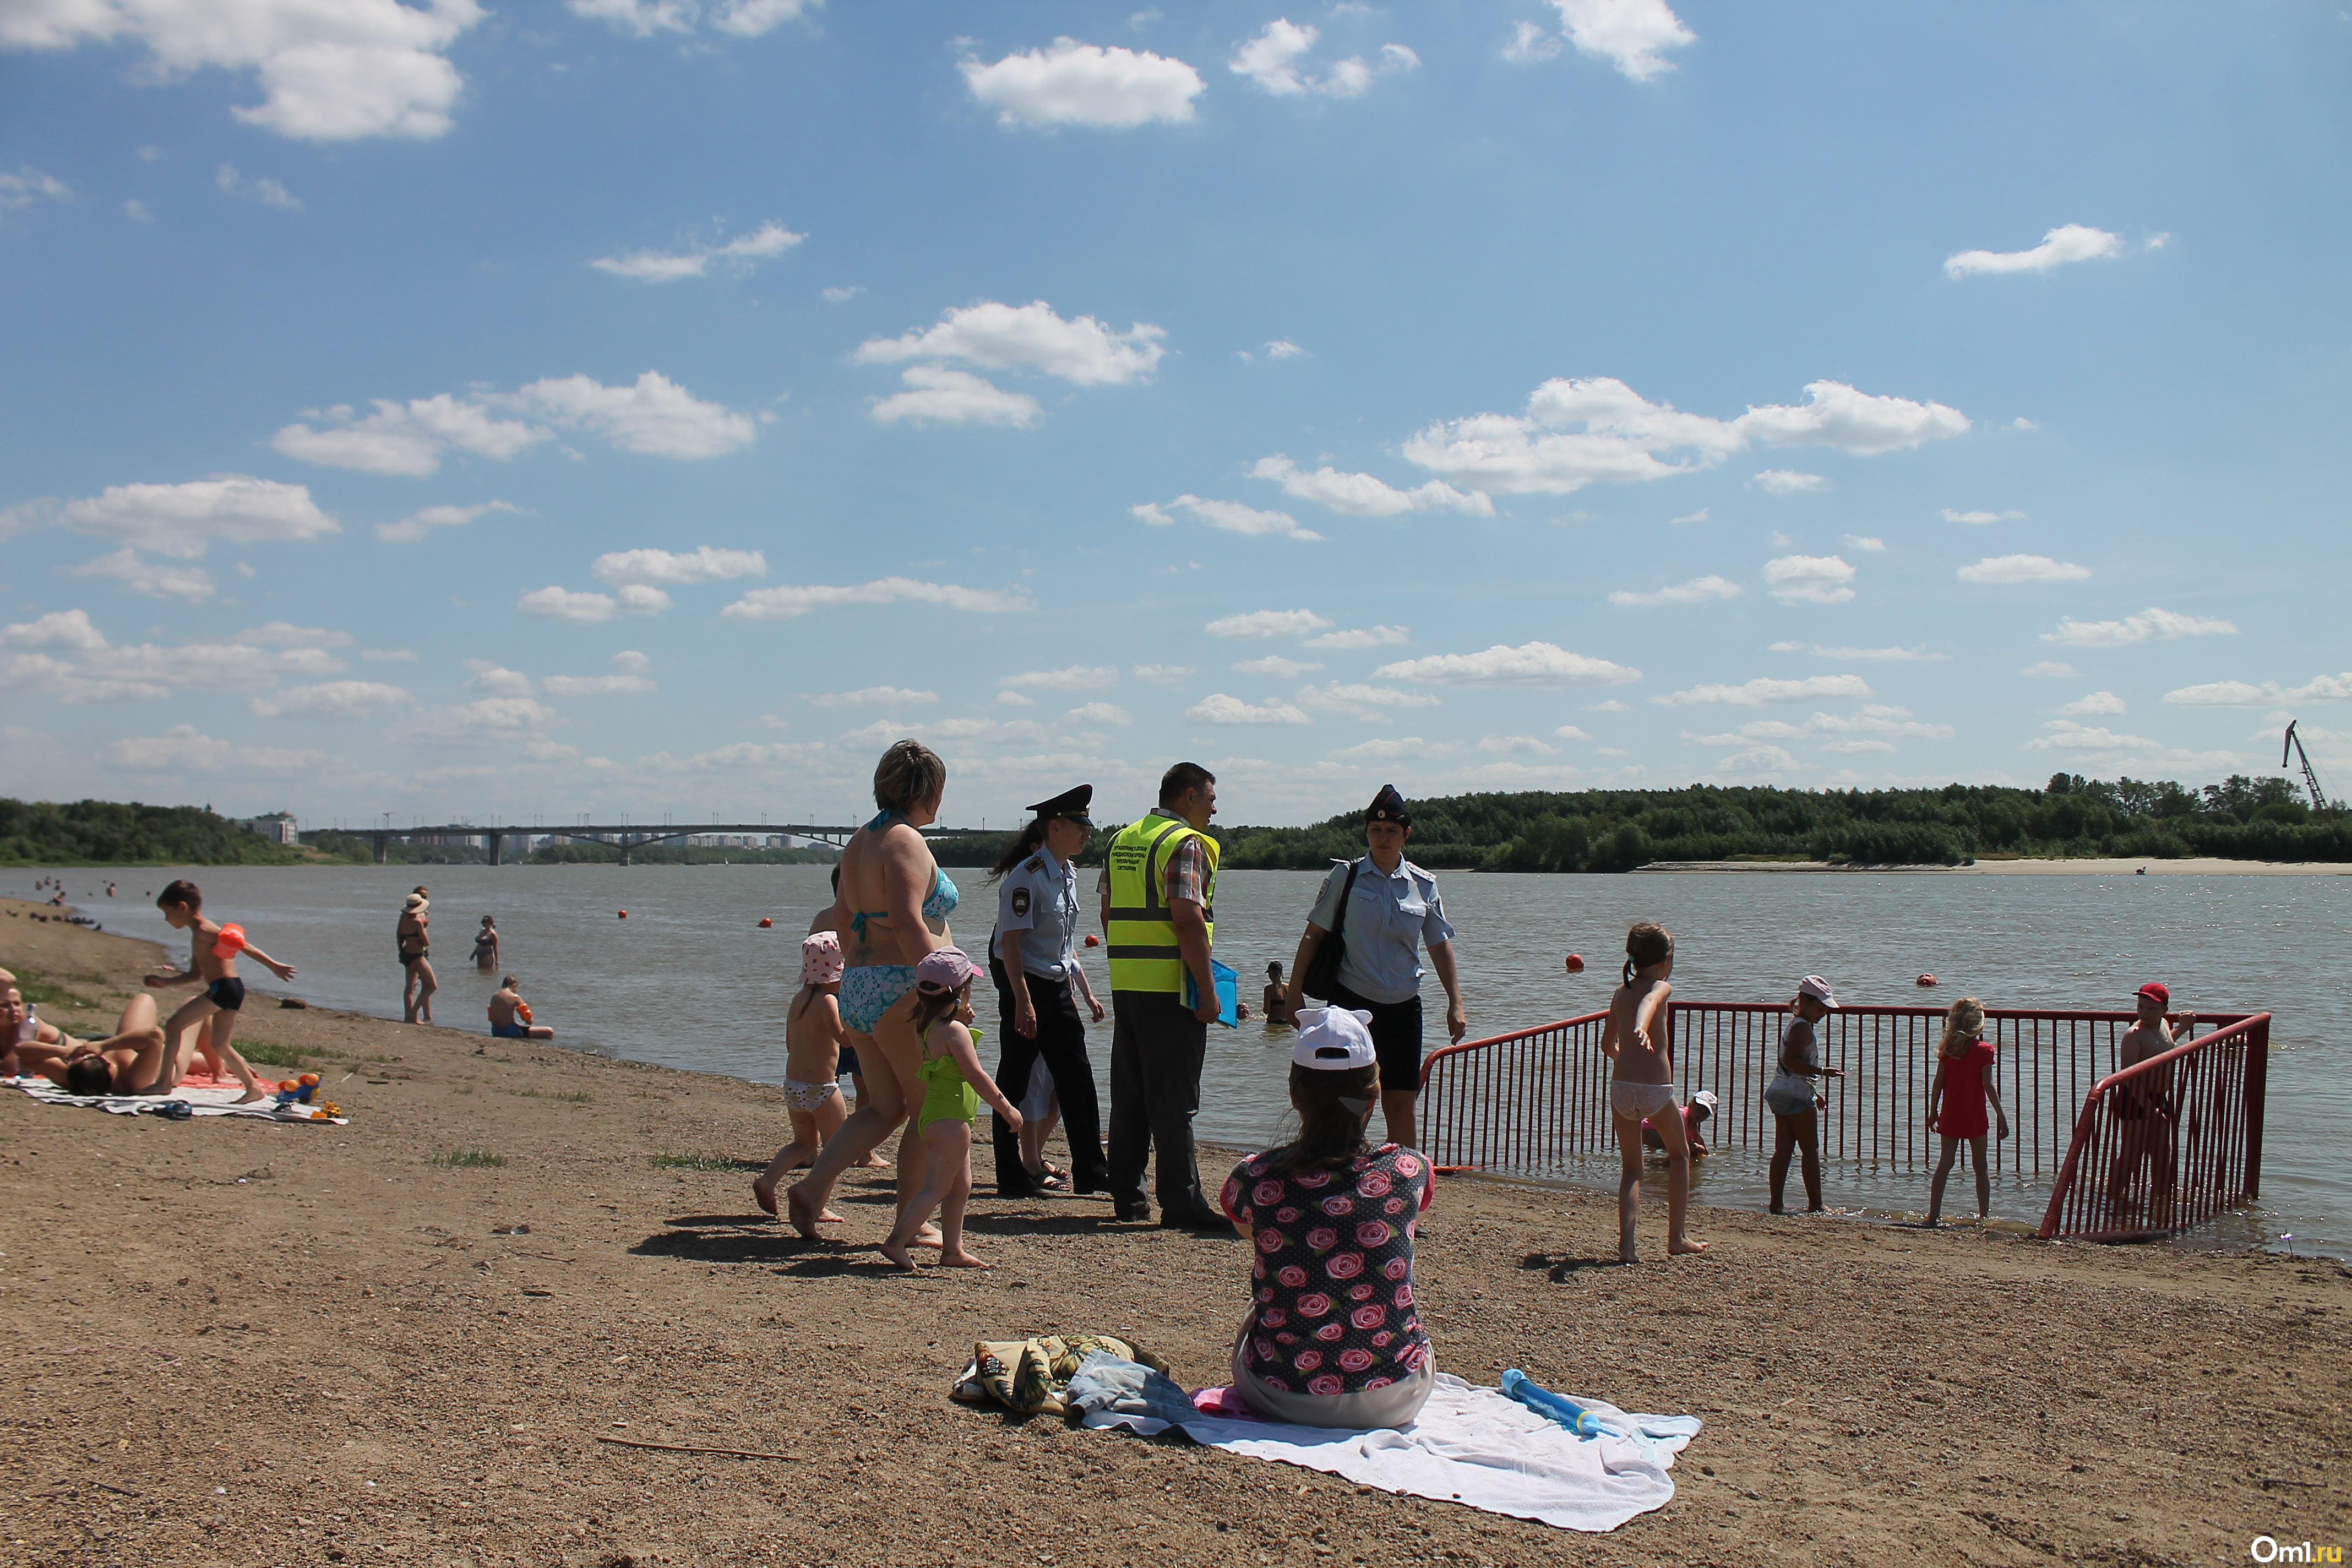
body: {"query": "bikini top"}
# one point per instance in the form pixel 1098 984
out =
pixel 938 907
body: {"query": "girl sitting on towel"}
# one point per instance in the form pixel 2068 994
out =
pixel 1332 1337
pixel 954 1085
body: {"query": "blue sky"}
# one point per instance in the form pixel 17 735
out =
pixel 659 405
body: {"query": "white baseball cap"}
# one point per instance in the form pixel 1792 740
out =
pixel 1814 986
pixel 1333 1039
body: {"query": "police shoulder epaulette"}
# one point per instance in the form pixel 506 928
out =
pixel 1036 863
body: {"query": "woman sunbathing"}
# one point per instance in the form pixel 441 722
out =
pixel 127 1062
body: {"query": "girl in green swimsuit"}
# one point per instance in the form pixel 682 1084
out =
pixel 954 1085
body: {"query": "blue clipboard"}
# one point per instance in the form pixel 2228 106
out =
pixel 1229 993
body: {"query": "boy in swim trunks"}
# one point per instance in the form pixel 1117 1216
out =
pixel 510 1015
pixel 222 996
pixel 1641 1088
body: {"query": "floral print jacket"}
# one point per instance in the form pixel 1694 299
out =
pixel 1332 1282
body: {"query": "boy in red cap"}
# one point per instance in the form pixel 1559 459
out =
pixel 2143 1109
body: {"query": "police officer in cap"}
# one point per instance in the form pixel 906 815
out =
pixel 1040 986
pixel 1392 909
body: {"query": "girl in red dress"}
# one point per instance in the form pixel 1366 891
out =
pixel 1957 1100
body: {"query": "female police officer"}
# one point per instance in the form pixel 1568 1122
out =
pixel 1033 960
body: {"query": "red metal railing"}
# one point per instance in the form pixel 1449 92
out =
pixel 2168 1143
pixel 1535 1101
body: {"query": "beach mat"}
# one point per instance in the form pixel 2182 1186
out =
pixel 1474 1446
pixel 202 1097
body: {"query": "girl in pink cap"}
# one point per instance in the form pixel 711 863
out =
pixel 954 1086
pixel 811 1068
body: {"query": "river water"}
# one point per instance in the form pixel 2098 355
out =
pixel 689 979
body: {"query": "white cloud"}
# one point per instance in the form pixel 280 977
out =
pixel 937 395
pixel 1361 701
pixel 388 655
pixel 1097 713
pixel 1364 495
pixel 1361 636
pixel 1076 677
pixel 1577 432
pixel 842 294
pixel 406 439
pixel 1530 664
pixel 2024 569
pixel 497 681
pixel 285 634
pixel 737 255
pixel 1789 483
pixel 268 192
pixel 1852 747
pixel 1016 699
pixel 1756 693
pixel 798 599
pixel 1072 83
pixel 414 529
pixel 2151 624
pixel 653 415
pixel 1611 706
pixel 1628 33
pixel 183 519
pixel 702 565
pixel 27 184
pixel 193 584
pixel 1388 751
pixel 1267 623
pixel 1283 348
pixel 1082 351
pixel 2270 693
pixel 1698 591
pixel 1981 517
pixel 743 18
pixel 2050 670
pixel 328 72
pixel 876 697
pixel 1516 746
pixel 2070 242
pixel 330 699
pixel 1530 43
pixel 1876 719
pixel 70 657
pixel 556 603
pixel 2066 735
pixel 1275 665
pixel 182 749
pixel 64 630
pixel 1810 578
pixel 1698 516
pixel 1570 732
pixel 1219 708
pixel 1230 516
pixel 594 685
pixel 1884 655
pixel 2096 702
pixel 1865 542
pixel 1272 60
pixel 135 210
pixel 631 660
pixel 1162 674
pixel 489 721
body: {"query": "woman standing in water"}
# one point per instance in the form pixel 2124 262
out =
pixel 891 910
pixel 486 945
pixel 416 948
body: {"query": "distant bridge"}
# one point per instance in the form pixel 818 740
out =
pixel 624 837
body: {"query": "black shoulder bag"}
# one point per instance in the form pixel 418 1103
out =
pixel 1322 976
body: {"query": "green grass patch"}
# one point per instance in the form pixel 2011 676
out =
pixel 268 1053
pixel 672 1162
pixel 42 989
pixel 575 1097
pixel 467 1159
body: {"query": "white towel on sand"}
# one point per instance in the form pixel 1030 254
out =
pixel 1472 1445
pixel 200 1100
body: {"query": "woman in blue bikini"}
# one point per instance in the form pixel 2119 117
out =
pixel 891 910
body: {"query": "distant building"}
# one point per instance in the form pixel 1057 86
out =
pixel 278 827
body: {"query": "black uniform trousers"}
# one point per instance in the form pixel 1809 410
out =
pixel 1061 1040
pixel 1156 1051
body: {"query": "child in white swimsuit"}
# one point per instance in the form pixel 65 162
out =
pixel 813 1035
pixel 1640 1086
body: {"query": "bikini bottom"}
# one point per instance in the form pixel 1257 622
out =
pixel 869 990
pixel 808 1096
pixel 1640 1101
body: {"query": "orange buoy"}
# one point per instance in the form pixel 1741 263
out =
pixel 624 914
pixel 765 922
pixel 1925 980
pixel 1576 964
pixel 1093 941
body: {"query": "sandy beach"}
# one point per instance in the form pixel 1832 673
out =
pixel 2196 866
pixel 243 1342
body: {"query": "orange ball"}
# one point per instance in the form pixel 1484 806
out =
pixel 1093 941
pixel 1576 964
pixel 624 914
pixel 765 922
pixel 309 1077
pixel 1925 980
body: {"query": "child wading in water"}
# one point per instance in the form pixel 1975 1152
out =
pixel 1641 1088
pixel 956 1084
pixel 812 1066
pixel 1956 1102
pixel 211 959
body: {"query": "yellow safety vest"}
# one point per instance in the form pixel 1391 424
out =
pixel 1143 952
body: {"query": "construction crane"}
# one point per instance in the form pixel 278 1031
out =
pixel 2292 752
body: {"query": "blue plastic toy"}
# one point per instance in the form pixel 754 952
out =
pixel 1552 1407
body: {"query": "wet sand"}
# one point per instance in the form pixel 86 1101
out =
pixel 240 1342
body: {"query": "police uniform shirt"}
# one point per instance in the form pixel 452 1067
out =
pixel 1389 916
pixel 1039 899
